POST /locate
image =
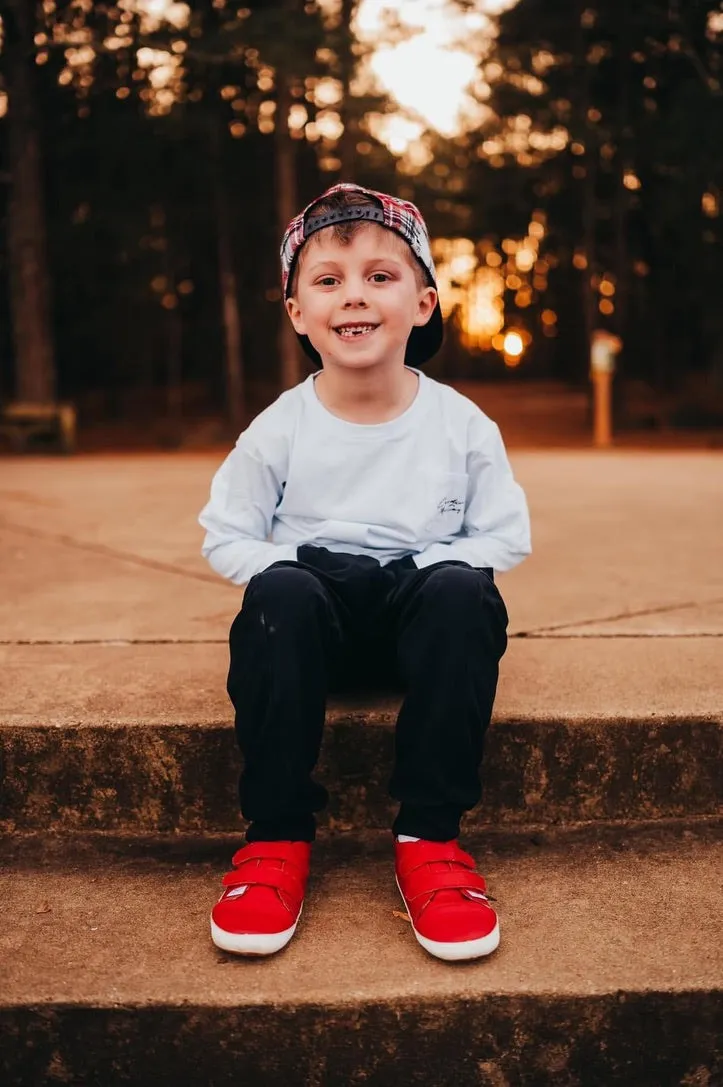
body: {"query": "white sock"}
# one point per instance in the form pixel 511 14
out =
pixel 406 838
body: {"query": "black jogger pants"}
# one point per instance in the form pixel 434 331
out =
pixel 329 620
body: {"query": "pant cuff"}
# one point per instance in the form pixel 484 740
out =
pixel 301 829
pixel 435 823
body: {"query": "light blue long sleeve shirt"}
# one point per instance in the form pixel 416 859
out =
pixel 434 483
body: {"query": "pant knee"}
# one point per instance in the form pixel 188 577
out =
pixel 455 593
pixel 279 593
pixel 282 581
pixel 460 584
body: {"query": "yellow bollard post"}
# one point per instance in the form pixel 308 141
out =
pixel 603 351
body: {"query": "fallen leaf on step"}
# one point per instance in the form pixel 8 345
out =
pixel 401 916
pixel 45 908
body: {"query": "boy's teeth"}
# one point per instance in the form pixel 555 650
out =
pixel 354 330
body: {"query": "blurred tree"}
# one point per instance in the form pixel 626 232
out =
pixel 346 64
pixel 638 89
pixel 133 52
pixel 225 72
pixel 296 64
pixel 607 123
pixel 35 378
pixel 249 67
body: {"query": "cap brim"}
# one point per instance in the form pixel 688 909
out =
pixel 424 342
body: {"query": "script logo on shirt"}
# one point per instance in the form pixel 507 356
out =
pixel 450 505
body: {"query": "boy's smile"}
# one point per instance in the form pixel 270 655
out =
pixel 358 302
pixel 354 331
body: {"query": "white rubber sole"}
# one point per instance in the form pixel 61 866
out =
pixel 459 950
pixel 252 943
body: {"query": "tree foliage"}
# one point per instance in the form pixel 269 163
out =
pixel 608 123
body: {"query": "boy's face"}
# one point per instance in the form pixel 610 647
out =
pixel 358 302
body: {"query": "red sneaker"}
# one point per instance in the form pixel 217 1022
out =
pixel 259 910
pixel 446 900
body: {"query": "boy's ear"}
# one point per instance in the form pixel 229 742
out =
pixel 425 305
pixel 294 311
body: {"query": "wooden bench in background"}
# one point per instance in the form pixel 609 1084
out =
pixel 50 426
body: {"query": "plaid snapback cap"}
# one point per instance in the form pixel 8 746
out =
pixel 401 216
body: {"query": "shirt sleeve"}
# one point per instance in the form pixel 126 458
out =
pixel 244 495
pixel 496 527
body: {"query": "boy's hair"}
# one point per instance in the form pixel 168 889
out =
pixel 343 233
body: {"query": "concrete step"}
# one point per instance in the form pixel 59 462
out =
pixel 610 969
pixel 137 739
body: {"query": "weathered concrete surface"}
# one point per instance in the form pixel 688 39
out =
pixel 141 505
pixel 140 737
pixel 616 1040
pixel 614 534
pixel 618 535
pixel 705 620
pixel 610 971
pixel 56 592
pixel 165 779
pixel 541 679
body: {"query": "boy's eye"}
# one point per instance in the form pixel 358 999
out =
pixel 380 277
pixel 326 281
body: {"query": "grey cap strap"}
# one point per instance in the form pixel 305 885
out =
pixel 342 215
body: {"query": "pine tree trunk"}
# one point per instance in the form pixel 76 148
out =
pixel 588 134
pixel 621 195
pixel 27 246
pixel 347 143
pixel 228 286
pixel 286 208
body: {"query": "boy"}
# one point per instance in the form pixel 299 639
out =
pixel 367 509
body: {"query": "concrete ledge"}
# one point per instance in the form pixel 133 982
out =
pixel 138 738
pixel 147 779
pixel 541 679
pixel 612 1041
pixel 608 973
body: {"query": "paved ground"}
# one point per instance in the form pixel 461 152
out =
pixel 610 698
pixel 107 547
pixel 627 552
pixel 71 946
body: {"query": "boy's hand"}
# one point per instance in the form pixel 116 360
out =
pixel 358 581
pixel 338 563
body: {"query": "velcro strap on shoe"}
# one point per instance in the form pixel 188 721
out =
pixel 265 876
pixel 263 851
pixel 427 882
pixel 432 853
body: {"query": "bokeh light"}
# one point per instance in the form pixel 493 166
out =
pixel 513 344
pixel 426 55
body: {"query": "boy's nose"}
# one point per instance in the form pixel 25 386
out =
pixel 354 292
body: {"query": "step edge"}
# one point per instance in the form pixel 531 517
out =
pixel 466 996
pixel 490 836
pixel 373 718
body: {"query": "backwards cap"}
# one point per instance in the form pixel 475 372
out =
pixel 401 216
